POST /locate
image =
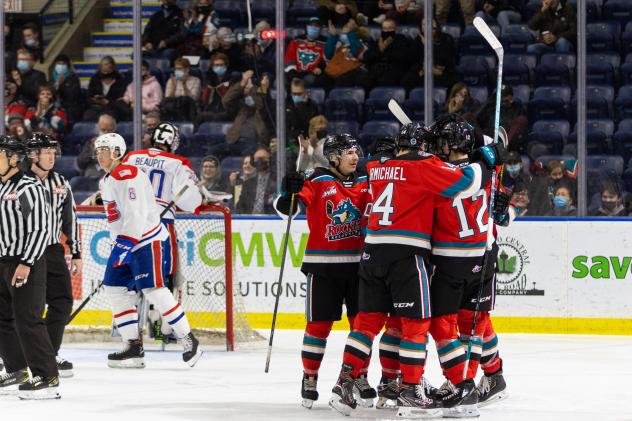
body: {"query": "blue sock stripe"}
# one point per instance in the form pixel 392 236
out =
pixel 450 346
pixel 310 340
pixel 174 321
pixel 490 344
pixel 391 340
pixel 412 346
pixel 361 338
pixel 126 323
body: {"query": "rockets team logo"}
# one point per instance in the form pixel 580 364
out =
pixel 307 57
pixel 345 221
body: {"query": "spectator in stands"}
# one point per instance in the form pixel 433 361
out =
pixel 199 20
pixel 237 179
pixel 17 127
pixel 520 199
pixel 536 186
pixel 299 111
pixel 442 10
pixel 31 40
pixel 27 78
pixel 67 88
pixel 13 103
pixel 151 94
pixel 46 116
pixel 513 117
pixel 217 84
pixel 403 11
pixel 225 42
pixel 251 108
pixel 163 33
pixel 344 54
pixel 257 192
pixel 460 102
pixel 305 55
pixel 388 59
pixel 152 120
pixel 502 12
pixel 337 11
pixel 556 25
pixel 182 93
pixel 443 55
pixel 557 176
pixel 211 175
pixel 563 203
pixel 86 161
pixel 313 145
pixel 105 87
pixel 260 56
pixel 611 203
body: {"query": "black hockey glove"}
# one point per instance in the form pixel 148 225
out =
pixel 490 155
pixel 501 208
pixel 293 182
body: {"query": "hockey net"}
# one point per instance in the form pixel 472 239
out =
pixel 206 276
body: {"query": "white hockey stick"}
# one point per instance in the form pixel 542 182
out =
pixel 398 112
pixel 491 39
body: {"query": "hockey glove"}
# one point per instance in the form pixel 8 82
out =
pixel 293 182
pixel 122 251
pixel 490 155
pixel 501 209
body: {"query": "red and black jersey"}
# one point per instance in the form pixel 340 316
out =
pixel 336 218
pixel 404 190
pixel 304 55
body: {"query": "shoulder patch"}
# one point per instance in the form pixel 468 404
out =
pixel 124 172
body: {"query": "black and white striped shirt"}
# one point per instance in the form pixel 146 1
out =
pixel 63 215
pixel 24 209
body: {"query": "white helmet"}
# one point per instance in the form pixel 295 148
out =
pixel 166 134
pixel 114 142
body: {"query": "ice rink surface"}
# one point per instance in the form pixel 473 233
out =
pixel 549 377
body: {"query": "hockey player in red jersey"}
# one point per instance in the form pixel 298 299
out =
pixel 393 271
pixel 334 200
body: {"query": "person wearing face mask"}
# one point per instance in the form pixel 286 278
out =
pixel 299 110
pixel 262 53
pixel 312 146
pixel 86 161
pixel 151 93
pixel 217 84
pixel 305 55
pixel 223 41
pixel 256 194
pixel 46 116
pixel 563 204
pixel 181 93
pixel 13 103
pixel 31 39
pixel 105 87
pixel 513 117
pixel 27 78
pixel 611 204
pixel 163 35
pixel 67 87
pixel 344 52
pixel 199 19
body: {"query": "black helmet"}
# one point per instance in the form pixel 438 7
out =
pixel 39 141
pixel 383 147
pixel 336 144
pixel 12 145
pixel 455 132
pixel 413 136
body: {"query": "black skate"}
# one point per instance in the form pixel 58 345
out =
pixel 39 388
pixel 132 356
pixel 491 389
pixel 10 382
pixel 64 367
pixel 363 392
pixel 414 402
pixel 309 393
pixel 342 399
pixel 192 351
pixel 459 401
pixel 387 392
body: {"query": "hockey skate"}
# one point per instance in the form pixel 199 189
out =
pixel 64 367
pixel 459 401
pixel 40 388
pixel 192 351
pixel 132 356
pixel 1 366
pixel 363 392
pixel 309 393
pixel 414 401
pixel 491 389
pixel 342 399
pixel 387 392
pixel 10 382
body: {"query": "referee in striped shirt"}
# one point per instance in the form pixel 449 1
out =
pixel 24 209
pixel 42 149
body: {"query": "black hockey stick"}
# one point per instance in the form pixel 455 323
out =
pixel 96 290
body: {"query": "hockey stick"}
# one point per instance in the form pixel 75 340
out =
pixel 491 39
pixel 398 112
pixel 96 290
pixel 285 243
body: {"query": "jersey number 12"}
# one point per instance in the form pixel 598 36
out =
pixel 466 230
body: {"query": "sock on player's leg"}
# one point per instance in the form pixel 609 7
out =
pixel 314 344
pixel 125 314
pixel 170 310
pixel 412 349
pixel 465 319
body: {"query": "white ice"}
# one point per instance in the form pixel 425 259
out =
pixel 549 377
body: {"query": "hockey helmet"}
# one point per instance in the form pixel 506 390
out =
pixel 455 132
pixel 166 134
pixel 336 144
pixel 413 136
pixel 383 147
pixel 39 141
pixel 114 142
pixel 12 146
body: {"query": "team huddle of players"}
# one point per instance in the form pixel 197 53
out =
pixel 403 248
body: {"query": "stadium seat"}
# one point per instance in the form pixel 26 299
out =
pixel 438 95
pixel 473 43
pixel 411 31
pixel 622 140
pixel 301 11
pixel 231 164
pixel 317 95
pixel 159 63
pixel 626 42
pixel 479 93
pixel 626 73
pixel 547 74
pixel 623 102
pixel 522 93
pixel 602 36
pixel 600 73
pixel 474 70
pixel 515 71
pixel 599 102
pixel 516 42
pixel 345 104
pixel 374 129
pixel 557 126
pixel 66 165
pixel 553 141
pixel 376 106
pixel 350 127
pixel 549 103
pixel 543 160
pixel 618 10
pixel 603 125
pixel 185 129
pixel 611 164
pixel 81 132
pixel 593 8
pixel 454 30
pixel 513 28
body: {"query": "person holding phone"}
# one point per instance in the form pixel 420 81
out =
pixel 557 25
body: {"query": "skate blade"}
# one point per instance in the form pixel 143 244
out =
pixel 334 402
pixel 307 403
pixel 66 374
pixel 417 413
pixel 9 390
pixel 38 395
pixel 385 403
pixel 500 396
pixel 129 363
pixel 461 411
pixel 195 358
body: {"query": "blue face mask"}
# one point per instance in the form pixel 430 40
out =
pixel 560 201
pixel 513 169
pixel 179 74
pixel 29 42
pixel 23 65
pixel 219 70
pixel 298 99
pixel 344 38
pixel 250 101
pixel 313 32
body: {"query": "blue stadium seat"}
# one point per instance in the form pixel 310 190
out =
pixel 599 102
pixel 438 95
pixel 561 92
pixel 230 12
pixel 617 10
pixel 600 73
pixel 345 104
pixel 479 93
pixel 593 8
pixel 230 164
pixel 301 11
pixel 612 164
pixel 81 132
pixel 473 43
pixel 603 125
pixel 551 140
pixel 622 140
pixel 623 102
pixel 596 141
pixel 159 63
pixel 376 106
pixel 602 36
pixel 474 70
pixel 317 95
pixel 550 103
pixel 552 74
pixel 522 92
pixel 66 165
pixel 626 73
pixel 185 129
pixel 374 129
pixel 516 42
pixel 415 109
pixel 516 71
pixel 355 93
pixel 411 31
pixel 452 29
pixel 543 160
pixel 351 127
pixel 520 28
pixel 626 42
pixel 558 126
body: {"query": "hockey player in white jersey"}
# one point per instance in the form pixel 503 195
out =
pixel 140 256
